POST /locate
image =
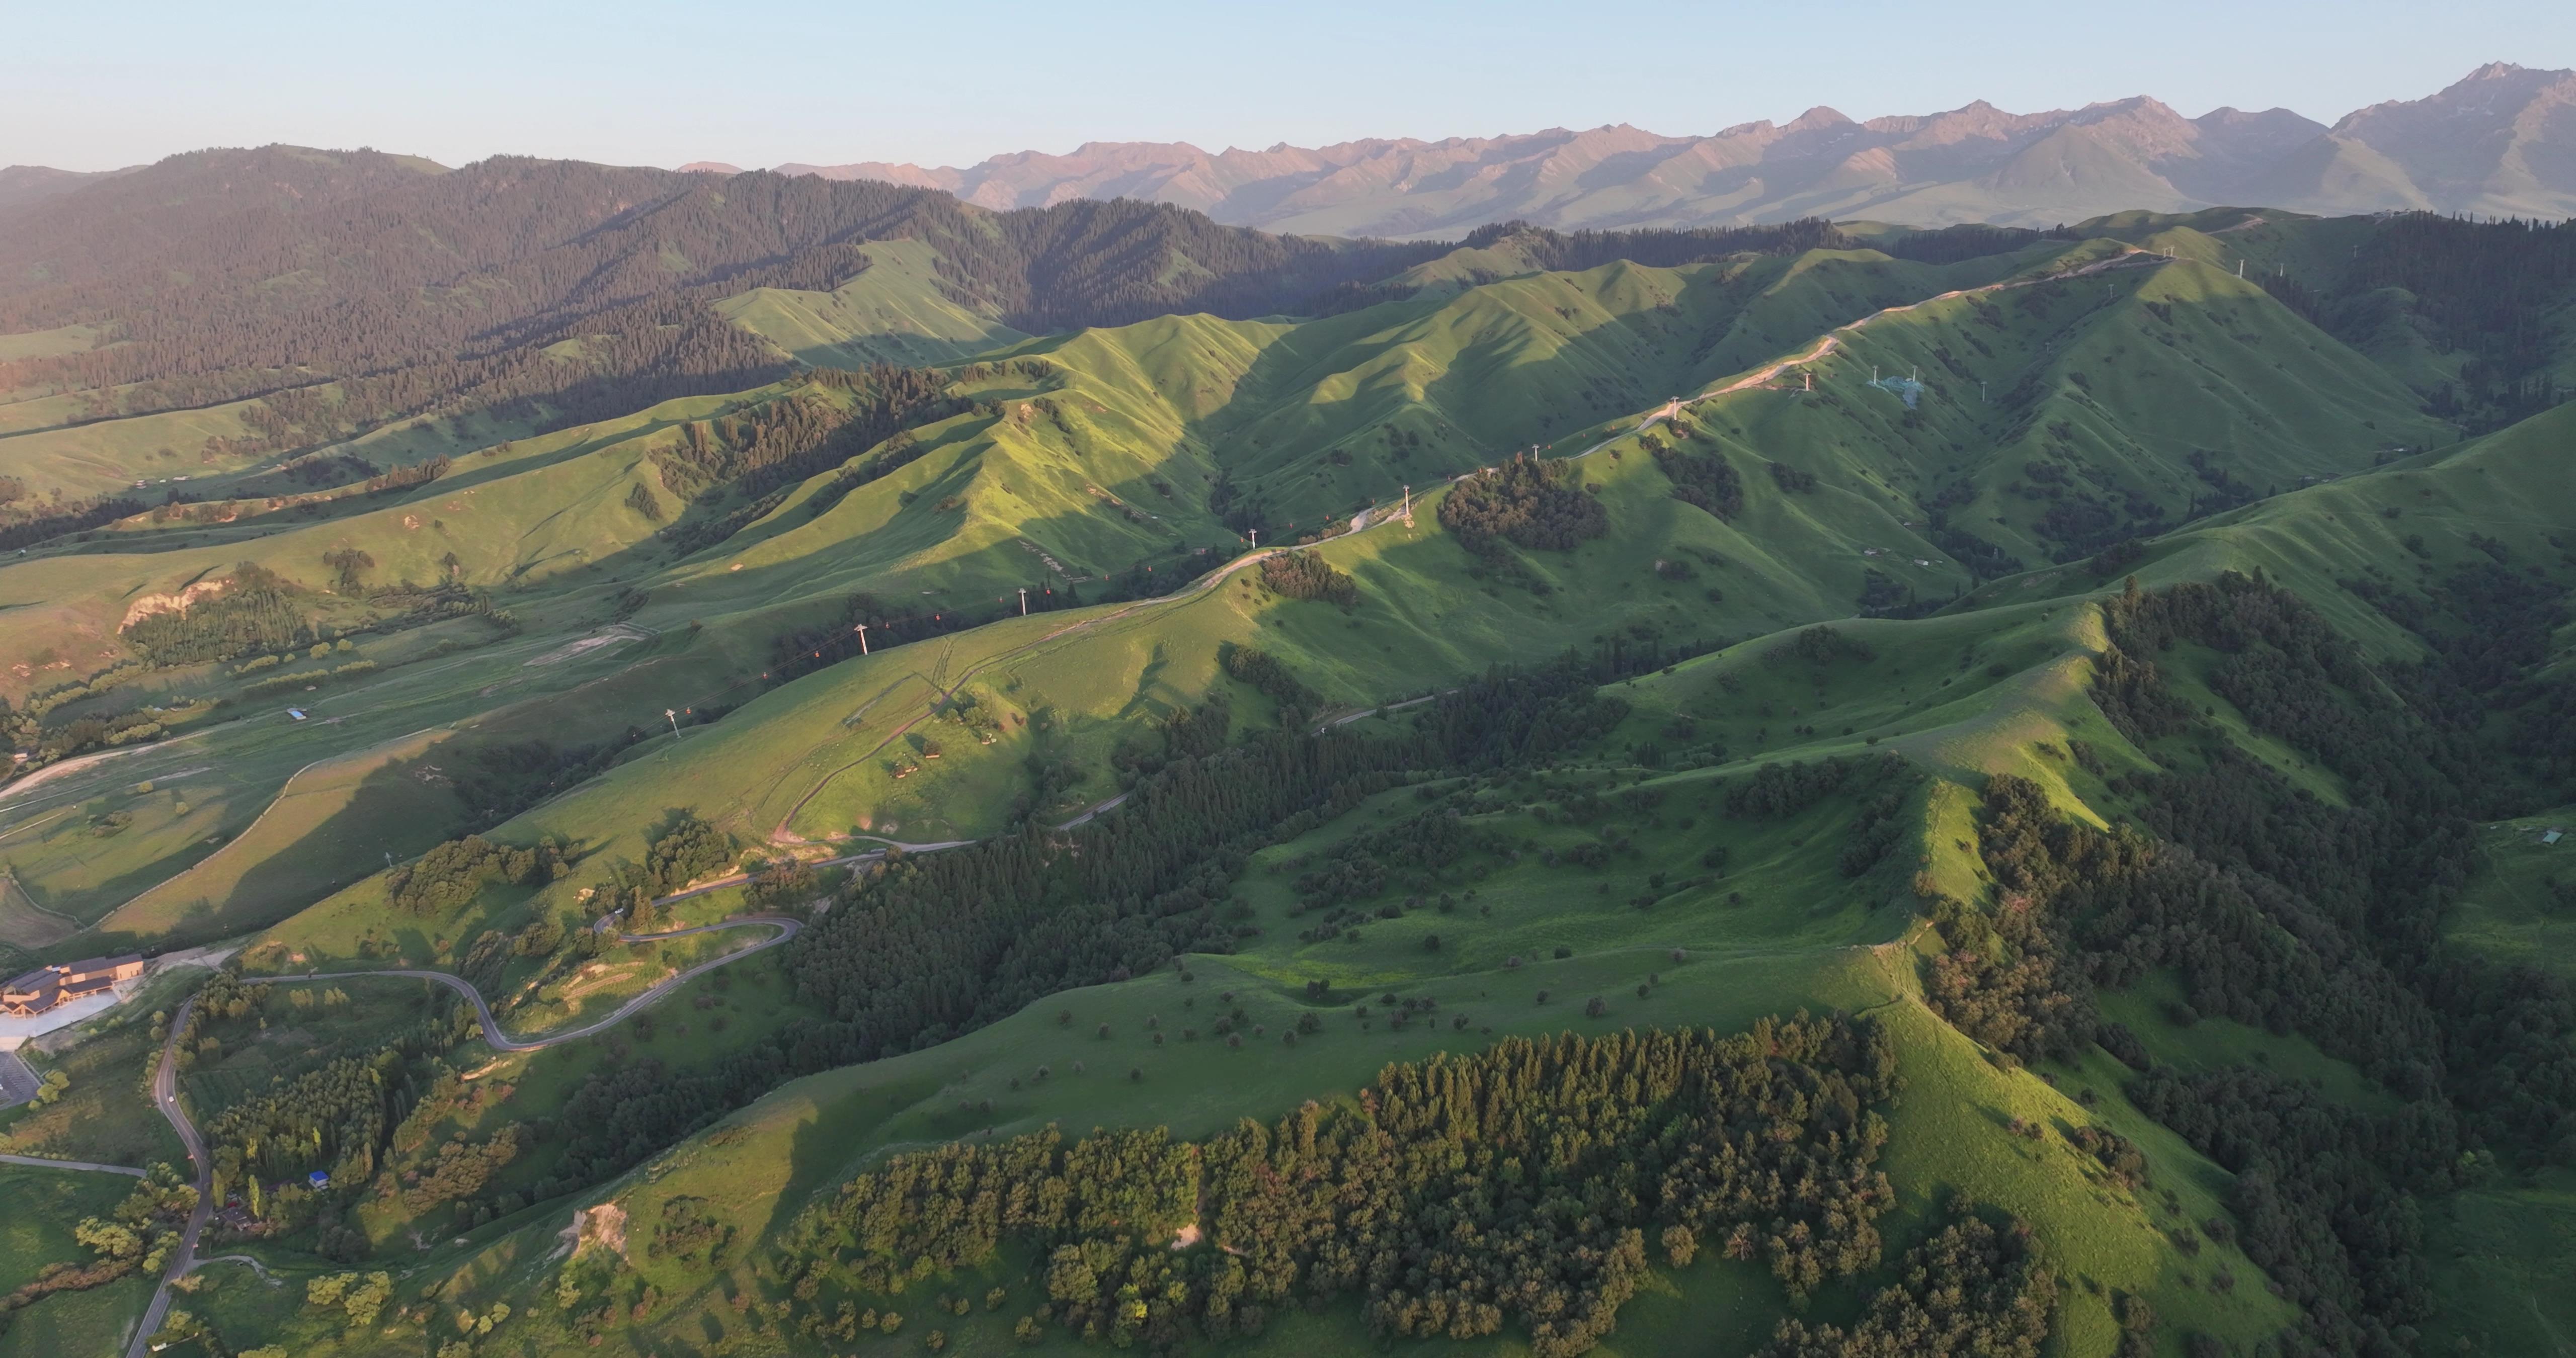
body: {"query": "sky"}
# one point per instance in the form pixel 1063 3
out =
pixel 654 82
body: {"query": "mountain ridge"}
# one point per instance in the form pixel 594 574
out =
pixel 2500 141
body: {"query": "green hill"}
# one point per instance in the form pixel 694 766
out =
pixel 2104 702
pixel 894 311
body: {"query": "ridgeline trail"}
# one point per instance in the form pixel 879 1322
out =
pixel 1381 514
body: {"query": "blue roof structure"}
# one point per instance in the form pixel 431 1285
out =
pixel 1906 388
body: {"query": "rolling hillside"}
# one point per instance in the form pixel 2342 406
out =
pixel 1725 895
pixel 1983 782
pixel 1073 464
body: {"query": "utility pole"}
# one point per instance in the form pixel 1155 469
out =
pixel 1024 601
pixel 1408 503
pixel 1256 539
pixel 862 630
pixel 674 719
pixel 1981 392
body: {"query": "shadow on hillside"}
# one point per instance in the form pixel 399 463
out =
pixel 1620 363
pixel 399 809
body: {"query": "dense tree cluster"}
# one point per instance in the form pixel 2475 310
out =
pixel 1795 480
pixel 1707 480
pixel 1976 1290
pixel 1819 648
pixel 254 613
pixel 1306 575
pixel 1521 1186
pixel 23 526
pixel 1984 559
pixel 682 850
pixel 1972 240
pixel 1780 790
pixel 2323 1191
pixel 1412 851
pixel 496 782
pixel 1530 501
pixel 339 1117
pixel 462 1168
pixel 454 872
pixel 933 945
pixel 1267 676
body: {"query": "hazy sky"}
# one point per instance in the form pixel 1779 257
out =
pixel 659 83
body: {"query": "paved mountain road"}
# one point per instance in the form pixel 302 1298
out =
pixel 165 1078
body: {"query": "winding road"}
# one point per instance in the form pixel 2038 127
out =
pixel 165 1078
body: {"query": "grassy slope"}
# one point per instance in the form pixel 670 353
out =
pixel 1807 936
pixel 546 524
pixel 894 311
pixel 1995 689
pixel 42 1205
pixel 2507 486
pixel 1934 692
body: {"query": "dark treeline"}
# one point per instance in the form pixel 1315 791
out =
pixel 838 414
pixel 2491 290
pixel 24 524
pixel 1522 1186
pixel 2486 287
pixel 1415 851
pixel 938 944
pixel 2284 911
pixel 178 261
pixel 1951 244
pixel 929 946
pixel 1268 676
pixel 767 451
pixel 681 850
pixel 1881 786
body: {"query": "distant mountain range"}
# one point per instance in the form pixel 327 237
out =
pixel 2500 142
